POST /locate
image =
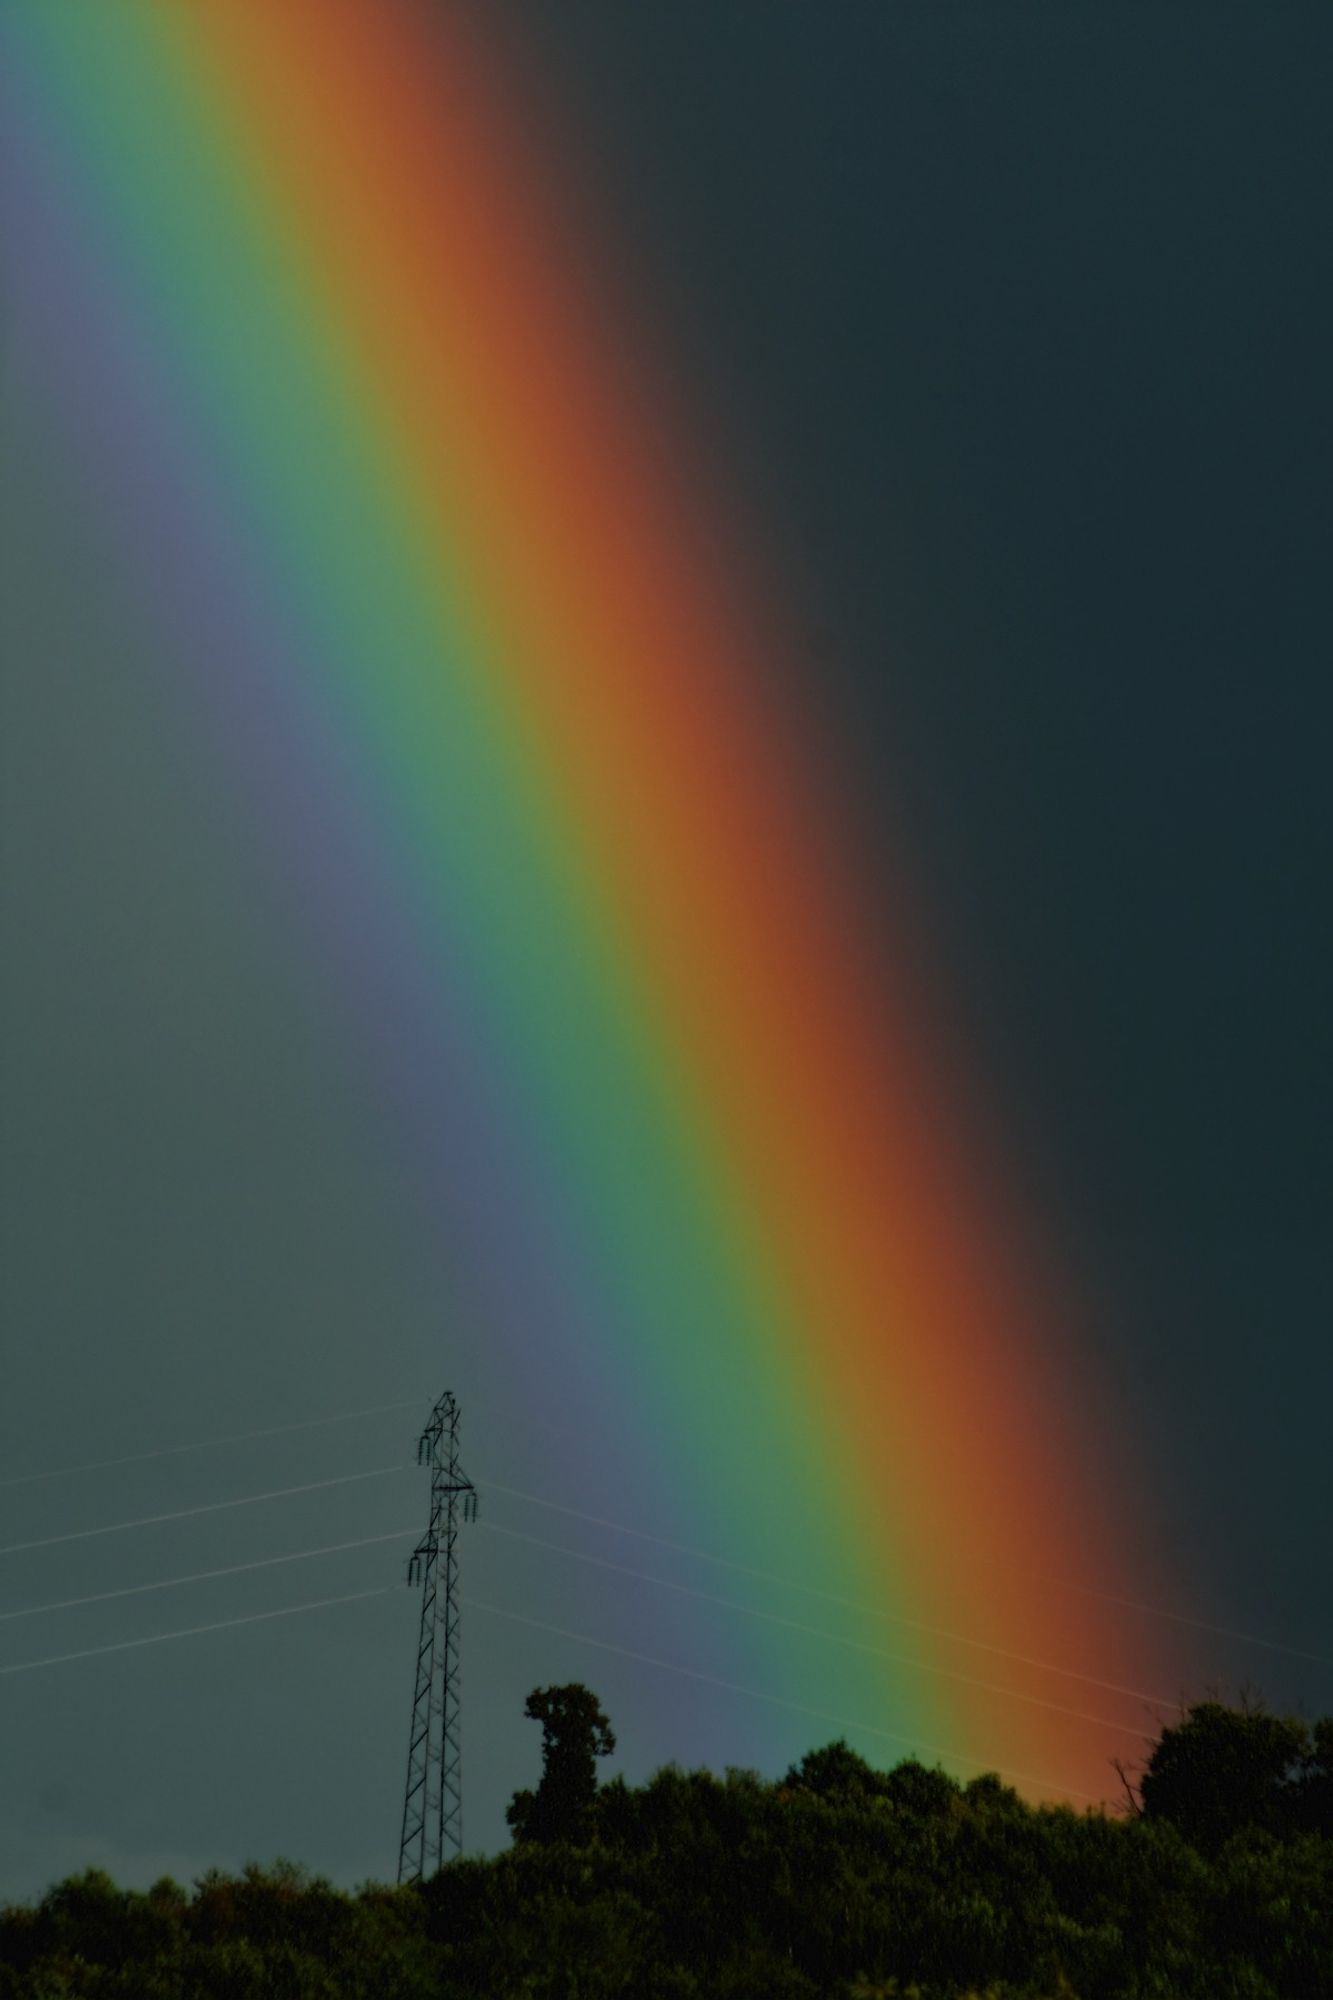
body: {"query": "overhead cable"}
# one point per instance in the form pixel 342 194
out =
pixel 212 1507
pixel 205 1444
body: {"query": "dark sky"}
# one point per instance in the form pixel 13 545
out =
pixel 1020 317
pixel 1013 326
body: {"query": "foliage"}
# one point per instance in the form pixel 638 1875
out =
pixel 837 1880
pixel 1222 1769
pixel 575 1733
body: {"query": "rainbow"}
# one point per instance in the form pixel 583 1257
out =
pixel 340 361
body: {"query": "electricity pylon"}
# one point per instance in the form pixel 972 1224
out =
pixel 433 1803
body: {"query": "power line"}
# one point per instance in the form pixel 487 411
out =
pixel 662 1541
pixel 559 1631
pixel 192 1631
pixel 875 1611
pixel 1195 1624
pixel 587 1558
pixel 914 1624
pixel 185 1513
pixel 203 1575
pixel 868 1610
pixel 620 1569
pixel 856 1645
pixel 203 1444
pixel 779 1701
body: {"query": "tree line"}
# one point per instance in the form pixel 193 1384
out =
pixel 1215 1882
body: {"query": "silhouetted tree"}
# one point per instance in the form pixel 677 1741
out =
pixel 575 1733
pixel 1222 1769
pixel 836 1772
pixel 840 1882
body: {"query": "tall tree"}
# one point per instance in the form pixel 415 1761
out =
pixel 1222 1769
pixel 575 1733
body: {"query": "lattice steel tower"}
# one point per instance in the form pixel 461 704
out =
pixel 433 1804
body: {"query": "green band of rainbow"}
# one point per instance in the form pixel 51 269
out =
pixel 462 542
